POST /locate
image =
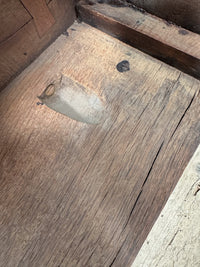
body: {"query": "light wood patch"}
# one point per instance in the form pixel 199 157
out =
pixel 175 237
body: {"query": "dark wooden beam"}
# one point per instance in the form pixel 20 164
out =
pixel 174 45
pixel 182 12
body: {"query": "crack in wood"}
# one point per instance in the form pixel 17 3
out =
pixel 171 241
pixel 137 199
pixel 117 254
pixel 188 107
pixel 197 190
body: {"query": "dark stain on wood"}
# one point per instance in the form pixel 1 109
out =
pixel 123 66
pixel 66 33
pixel 183 32
pixel 39 103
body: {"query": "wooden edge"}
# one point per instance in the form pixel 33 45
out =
pixel 9 22
pixel 174 238
pixel 41 14
pixel 25 45
pixel 174 45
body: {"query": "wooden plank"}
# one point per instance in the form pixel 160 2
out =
pixel 76 194
pixel 13 16
pixel 43 18
pixel 21 48
pixel 169 43
pixel 174 239
pixel 182 12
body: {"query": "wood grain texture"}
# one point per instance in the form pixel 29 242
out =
pixel 182 12
pixel 74 194
pixel 22 47
pixel 13 16
pixel 174 239
pixel 169 43
pixel 43 18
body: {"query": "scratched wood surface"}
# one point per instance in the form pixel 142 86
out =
pixel 74 194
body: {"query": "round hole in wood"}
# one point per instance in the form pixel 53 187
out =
pixel 50 90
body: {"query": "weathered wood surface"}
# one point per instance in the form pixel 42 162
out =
pixel 182 12
pixel 43 18
pixel 22 47
pixel 175 237
pixel 169 43
pixel 75 194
